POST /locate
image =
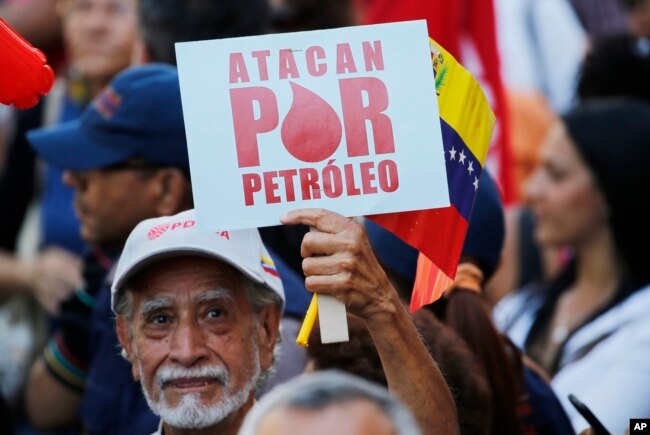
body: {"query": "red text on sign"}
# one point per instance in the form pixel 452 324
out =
pixel 363 99
pixel 273 187
pixel 316 61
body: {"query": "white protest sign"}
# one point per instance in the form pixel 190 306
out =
pixel 343 119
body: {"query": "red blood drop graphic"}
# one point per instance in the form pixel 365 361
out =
pixel 24 75
pixel 311 131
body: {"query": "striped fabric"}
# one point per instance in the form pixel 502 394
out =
pixel 63 365
pixel 467 123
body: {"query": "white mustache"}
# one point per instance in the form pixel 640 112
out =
pixel 167 374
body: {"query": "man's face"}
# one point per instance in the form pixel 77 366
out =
pixel 100 35
pixel 194 341
pixel 111 202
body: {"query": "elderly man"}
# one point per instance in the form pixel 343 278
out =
pixel 329 402
pixel 197 329
pixel 197 316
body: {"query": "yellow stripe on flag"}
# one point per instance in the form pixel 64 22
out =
pixel 462 103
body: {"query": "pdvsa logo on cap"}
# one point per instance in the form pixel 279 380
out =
pixel 639 425
pixel 157 231
pixel 161 229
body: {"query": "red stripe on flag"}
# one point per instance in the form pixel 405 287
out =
pixel 438 233
pixel 430 284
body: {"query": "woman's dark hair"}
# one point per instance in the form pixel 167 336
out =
pixel 613 138
pixel 617 66
pixel 465 312
pixel 468 382
pixel 462 372
pixel 357 356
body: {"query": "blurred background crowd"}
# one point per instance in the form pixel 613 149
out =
pixel 558 239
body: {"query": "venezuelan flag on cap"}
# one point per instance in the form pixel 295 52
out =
pixel 467 123
pixel 269 266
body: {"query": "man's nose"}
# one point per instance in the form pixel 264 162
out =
pixel 188 344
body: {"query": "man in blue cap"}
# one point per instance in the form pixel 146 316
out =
pixel 126 158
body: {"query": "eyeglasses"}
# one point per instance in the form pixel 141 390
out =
pixel 132 165
pixel 145 169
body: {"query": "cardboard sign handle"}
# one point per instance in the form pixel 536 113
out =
pixel 333 320
pixel 331 316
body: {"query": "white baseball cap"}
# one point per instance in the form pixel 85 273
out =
pixel 156 239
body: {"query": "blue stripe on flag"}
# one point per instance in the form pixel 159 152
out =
pixel 463 171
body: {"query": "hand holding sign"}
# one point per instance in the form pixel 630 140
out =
pixel 339 261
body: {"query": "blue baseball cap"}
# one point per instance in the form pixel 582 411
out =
pixel 138 115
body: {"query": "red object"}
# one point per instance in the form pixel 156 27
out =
pixel 24 73
pixel 448 21
pixel 439 234
pixel 442 246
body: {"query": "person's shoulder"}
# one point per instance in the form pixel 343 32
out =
pixel 518 306
pixel 612 335
pixel 628 314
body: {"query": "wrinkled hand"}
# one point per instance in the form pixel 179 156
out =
pixel 55 274
pixel 339 261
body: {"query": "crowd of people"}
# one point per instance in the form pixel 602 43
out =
pixel 110 324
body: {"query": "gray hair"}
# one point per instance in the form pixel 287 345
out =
pixel 318 390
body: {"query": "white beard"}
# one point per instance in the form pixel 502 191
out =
pixel 190 413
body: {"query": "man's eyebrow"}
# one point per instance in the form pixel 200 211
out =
pixel 151 305
pixel 210 295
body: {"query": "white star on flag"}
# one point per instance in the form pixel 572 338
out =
pixel 462 156
pixel 452 153
pixel 470 168
pixel 475 183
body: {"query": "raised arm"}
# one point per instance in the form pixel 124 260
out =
pixel 339 261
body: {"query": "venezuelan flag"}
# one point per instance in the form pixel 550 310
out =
pixel 467 123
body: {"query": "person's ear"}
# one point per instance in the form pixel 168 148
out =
pixel 125 337
pixel 172 191
pixel 267 334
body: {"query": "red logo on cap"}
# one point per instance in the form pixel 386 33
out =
pixel 157 231
pixel 107 103
pixel 161 229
